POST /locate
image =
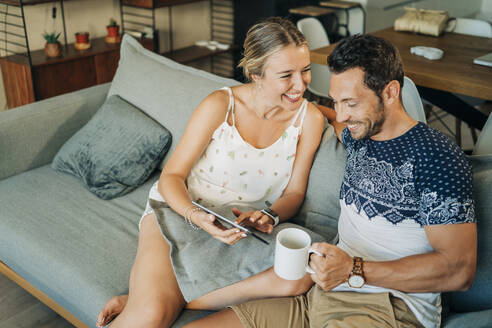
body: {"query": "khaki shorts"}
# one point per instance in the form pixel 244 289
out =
pixel 327 309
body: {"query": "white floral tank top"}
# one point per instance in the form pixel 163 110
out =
pixel 233 172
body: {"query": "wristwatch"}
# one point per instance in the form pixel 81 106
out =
pixel 356 277
pixel 272 214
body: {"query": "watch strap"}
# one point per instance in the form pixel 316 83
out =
pixel 271 214
pixel 358 269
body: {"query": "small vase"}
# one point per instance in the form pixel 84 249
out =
pixel 52 50
pixel 113 31
pixel 113 34
pixel 82 37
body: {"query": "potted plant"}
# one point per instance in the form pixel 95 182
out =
pixel 82 41
pixel 113 32
pixel 52 47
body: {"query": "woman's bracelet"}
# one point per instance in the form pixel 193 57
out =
pixel 188 213
pixel 187 210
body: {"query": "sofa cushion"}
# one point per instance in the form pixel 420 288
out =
pixel 478 319
pixel 321 207
pixel 115 151
pixel 165 90
pixel 479 297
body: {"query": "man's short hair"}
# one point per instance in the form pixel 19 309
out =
pixel 378 58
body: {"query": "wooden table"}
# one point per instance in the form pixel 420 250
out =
pixel 455 72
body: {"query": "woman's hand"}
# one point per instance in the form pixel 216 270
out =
pixel 255 219
pixel 210 224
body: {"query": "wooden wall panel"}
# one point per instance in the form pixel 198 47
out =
pixel 63 77
pixel 17 81
pixel 106 65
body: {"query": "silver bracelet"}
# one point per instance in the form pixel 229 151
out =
pixel 188 217
pixel 187 210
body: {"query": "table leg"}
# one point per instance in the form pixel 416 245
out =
pixel 458 132
pixel 455 106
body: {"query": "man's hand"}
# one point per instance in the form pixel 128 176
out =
pixel 333 268
pixel 255 219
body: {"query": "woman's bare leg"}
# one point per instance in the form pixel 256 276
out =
pixel 263 285
pixel 154 299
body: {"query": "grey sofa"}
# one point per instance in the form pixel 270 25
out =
pixel 74 251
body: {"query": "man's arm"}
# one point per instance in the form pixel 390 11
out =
pixel 331 115
pixel 451 266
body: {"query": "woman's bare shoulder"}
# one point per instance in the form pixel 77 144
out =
pixel 314 115
pixel 215 105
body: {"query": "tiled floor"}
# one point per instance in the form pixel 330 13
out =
pixel 19 309
pixel 446 125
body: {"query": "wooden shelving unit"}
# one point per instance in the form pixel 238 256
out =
pixel 27 2
pixel 16 64
pixel 49 77
pixel 29 76
pixel 193 53
pixel 152 4
pixel 147 19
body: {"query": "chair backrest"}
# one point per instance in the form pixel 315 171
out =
pixel 471 26
pixel 411 101
pixel 316 37
pixel 484 141
pixel 314 32
pixel 482 28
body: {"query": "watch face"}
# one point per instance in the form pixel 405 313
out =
pixel 356 281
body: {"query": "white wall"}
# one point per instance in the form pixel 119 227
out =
pixel 487 5
pixel 191 22
pixel 382 14
pixel 485 11
pixel 88 15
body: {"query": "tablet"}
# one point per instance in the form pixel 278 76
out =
pixel 230 222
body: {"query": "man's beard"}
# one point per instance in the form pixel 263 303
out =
pixel 373 127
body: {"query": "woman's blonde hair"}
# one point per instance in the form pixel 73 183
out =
pixel 265 38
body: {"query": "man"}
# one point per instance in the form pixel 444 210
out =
pixel 406 229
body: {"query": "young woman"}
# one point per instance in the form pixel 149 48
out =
pixel 244 146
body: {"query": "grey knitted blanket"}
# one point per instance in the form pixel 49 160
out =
pixel 203 264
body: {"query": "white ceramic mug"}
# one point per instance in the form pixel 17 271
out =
pixel 292 250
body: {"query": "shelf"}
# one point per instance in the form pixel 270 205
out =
pixel 192 53
pixel 27 2
pixel 312 11
pixel 340 4
pixel 98 46
pixel 150 4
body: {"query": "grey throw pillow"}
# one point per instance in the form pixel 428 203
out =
pixel 145 78
pixel 115 151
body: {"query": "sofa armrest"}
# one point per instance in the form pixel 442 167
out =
pixel 31 135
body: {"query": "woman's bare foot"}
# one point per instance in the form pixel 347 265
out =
pixel 111 309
